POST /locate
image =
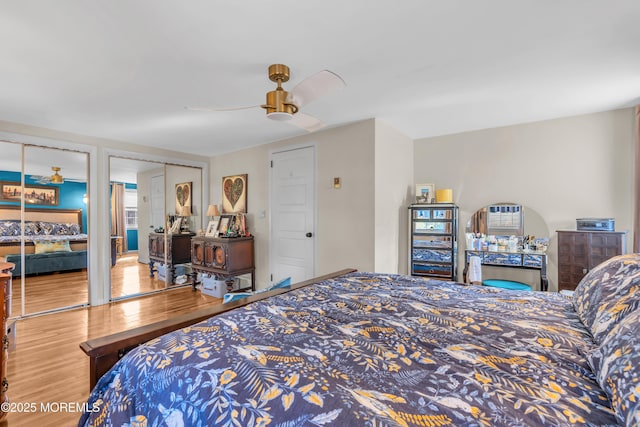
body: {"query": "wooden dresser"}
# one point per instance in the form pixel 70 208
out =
pixel 178 251
pixel 223 257
pixel 580 251
pixel 5 313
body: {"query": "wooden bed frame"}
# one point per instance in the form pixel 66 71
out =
pixel 40 214
pixel 105 351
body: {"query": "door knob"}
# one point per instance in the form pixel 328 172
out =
pixel 309 234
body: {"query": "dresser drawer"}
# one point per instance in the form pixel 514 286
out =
pixel 431 269
pixel 431 255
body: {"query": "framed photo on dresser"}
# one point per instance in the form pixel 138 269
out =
pixel 212 228
pixel 226 222
pixel 425 193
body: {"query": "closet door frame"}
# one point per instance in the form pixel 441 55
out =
pixel 92 224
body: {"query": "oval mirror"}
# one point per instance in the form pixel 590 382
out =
pixel 509 219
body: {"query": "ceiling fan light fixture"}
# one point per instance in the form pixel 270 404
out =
pixel 277 103
pixel 283 106
pixel 56 178
pixel 280 116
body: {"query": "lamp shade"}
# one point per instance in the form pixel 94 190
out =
pixel 212 210
pixel 444 196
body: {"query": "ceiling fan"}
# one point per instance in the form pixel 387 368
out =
pixel 56 178
pixel 285 106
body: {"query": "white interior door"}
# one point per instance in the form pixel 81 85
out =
pixel 155 215
pixel 157 201
pixel 292 201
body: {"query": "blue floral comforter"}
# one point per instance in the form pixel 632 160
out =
pixel 365 349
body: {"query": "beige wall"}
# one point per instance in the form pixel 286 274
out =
pixel 393 183
pixel 345 219
pixel 563 169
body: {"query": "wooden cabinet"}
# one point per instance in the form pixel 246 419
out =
pixel 580 251
pixel 169 249
pixel 223 257
pixel 433 244
pixel 5 313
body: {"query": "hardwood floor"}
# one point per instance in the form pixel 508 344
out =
pixel 47 365
pixel 130 277
pixel 52 291
pixel 49 292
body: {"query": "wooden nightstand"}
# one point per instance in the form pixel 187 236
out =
pixel 178 251
pixel 223 257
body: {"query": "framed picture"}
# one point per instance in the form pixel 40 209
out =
pixel 234 194
pixel 33 194
pixel 175 226
pixel 212 228
pixel 425 193
pixel 183 199
pixel 225 223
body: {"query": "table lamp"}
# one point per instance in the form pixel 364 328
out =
pixel 213 211
pixel 185 213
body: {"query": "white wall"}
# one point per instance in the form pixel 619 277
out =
pixel 563 169
pixel 393 183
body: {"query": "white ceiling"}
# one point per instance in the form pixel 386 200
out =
pixel 125 70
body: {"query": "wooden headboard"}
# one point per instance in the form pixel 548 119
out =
pixel 67 216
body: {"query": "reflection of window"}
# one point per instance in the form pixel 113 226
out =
pixel 131 208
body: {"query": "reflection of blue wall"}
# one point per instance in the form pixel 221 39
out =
pixel 132 239
pixel 70 195
pixel 132 234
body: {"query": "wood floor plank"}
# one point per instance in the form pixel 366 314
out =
pixel 47 365
pixel 52 291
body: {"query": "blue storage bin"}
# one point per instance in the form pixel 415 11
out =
pixel 506 284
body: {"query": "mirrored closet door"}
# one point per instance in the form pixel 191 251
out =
pixel 44 232
pixel 153 196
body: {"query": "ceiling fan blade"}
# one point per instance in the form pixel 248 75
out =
pixel 306 122
pixel 316 86
pixel 214 109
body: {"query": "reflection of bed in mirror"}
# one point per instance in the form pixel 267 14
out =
pixel 525 250
pixel 53 239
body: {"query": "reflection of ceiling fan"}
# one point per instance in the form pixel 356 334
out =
pixel 284 106
pixel 56 178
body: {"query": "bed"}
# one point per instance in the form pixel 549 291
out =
pixel 53 239
pixel 387 350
